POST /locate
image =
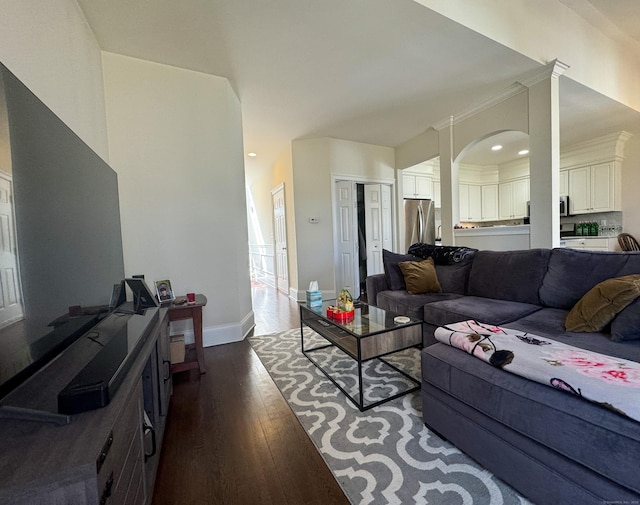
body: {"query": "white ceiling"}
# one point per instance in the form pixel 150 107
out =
pixel 373 71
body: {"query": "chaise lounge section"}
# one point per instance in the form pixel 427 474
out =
pixel 551 446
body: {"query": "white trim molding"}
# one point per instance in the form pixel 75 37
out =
pixel 224 333
pixel 554 69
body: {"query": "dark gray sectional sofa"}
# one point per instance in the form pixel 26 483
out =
pixel 553 447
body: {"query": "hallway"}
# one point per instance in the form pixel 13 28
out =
pixel 273 311
pixel 231 438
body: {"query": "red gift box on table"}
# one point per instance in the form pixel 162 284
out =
pixel 339 315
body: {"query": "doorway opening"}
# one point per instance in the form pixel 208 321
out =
pixel 362 239
pixel 363 227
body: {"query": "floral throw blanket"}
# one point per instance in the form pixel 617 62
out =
pixel 611 382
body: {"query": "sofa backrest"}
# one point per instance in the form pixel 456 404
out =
pixel 508 275
pixel 571 273
pixel 453 264
pixel 454 278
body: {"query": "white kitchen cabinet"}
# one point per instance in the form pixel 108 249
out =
pixel 592 189
pixel 602 183
pixel 489 202
pixel 591 243
pixel 520 197
pixel 437 199
pixel 564 182
pixel 513 197
pixel 470 202
pixel 417 186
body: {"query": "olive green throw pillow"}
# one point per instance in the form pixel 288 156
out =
pixel 420 276
pixel 601 304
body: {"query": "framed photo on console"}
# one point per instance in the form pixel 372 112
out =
pixel 164 290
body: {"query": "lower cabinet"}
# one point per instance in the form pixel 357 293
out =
pixel 106 456
pixel 156 392
pixel 120 463
pixel 591 244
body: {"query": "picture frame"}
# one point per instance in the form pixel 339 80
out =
pixel 165 291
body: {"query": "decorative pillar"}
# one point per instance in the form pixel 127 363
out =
pixel 544 155
pixel 449 191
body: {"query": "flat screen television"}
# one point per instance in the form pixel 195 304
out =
pixel 60 235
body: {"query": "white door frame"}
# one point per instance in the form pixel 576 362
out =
pixel 11 308
pixel 276 252
pixel 358 179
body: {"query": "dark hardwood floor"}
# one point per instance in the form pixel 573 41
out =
pixel 232 439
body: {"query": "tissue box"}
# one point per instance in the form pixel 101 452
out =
pixel 314 298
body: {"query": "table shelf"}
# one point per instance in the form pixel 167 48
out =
pixel 194 353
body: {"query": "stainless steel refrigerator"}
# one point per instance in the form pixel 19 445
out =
pixel 419 222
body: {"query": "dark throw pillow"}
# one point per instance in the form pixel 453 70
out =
pixel 626 325
pixel 392 272
pixel 420 277
pixel 600 304
pixel 442 254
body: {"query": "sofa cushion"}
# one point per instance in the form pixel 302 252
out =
pixel 553 418
pixel 392 272
pixel 601 303
pixel 571 273
pixel 405 304
pixel 455 277
pixel 510 275
pixel 626 325
pixel 420 276
pixel 486 310
pixel 549 323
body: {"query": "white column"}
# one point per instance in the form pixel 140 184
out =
pixel 450 195
pixel 544 156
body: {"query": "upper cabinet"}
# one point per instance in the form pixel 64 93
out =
pixel 592 189
pixel 437 199
pixel 417 186
pixel 593 172
pixel 564 182
pixel 470 202
pixel 489 202
pixel 513 197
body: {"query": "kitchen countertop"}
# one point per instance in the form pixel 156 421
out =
pixel 587 237
pixel 522 229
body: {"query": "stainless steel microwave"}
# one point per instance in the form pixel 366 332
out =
pixel 564 206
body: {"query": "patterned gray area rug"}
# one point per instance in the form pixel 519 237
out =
pixel 383 455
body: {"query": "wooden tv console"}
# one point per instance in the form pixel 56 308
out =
pixel 105 456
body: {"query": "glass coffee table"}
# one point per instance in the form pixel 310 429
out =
pixel 356 355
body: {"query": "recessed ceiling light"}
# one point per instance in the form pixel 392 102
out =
pixel 252 154
pixel 496 147
pixel 523 152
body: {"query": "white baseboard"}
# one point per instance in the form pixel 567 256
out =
pixel 227 333
pixel 223 333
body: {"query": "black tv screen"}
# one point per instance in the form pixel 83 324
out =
pixel 60 235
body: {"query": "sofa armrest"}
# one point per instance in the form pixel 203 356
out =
pixel 375 284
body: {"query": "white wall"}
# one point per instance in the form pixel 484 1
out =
pixel 546 30
pixel 175 139
pixel 315 161
pixel 49 47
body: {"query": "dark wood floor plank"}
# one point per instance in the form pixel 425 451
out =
pixel 231 438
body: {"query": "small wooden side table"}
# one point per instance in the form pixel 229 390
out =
pixel 191 311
